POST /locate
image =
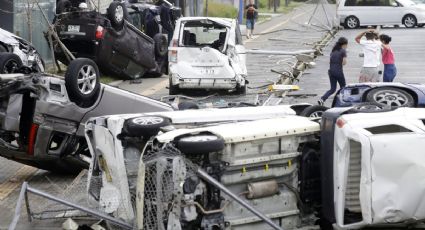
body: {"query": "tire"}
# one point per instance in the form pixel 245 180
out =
pixel 421 25
pixel 409 21
pixel 389 96
pixel 116 14
pixel 369 107
pixel 63 6
pixel 351 22
pixel 144 126
pixel 314 111
pixel 200 144
pixel 82 82
pixel 161 45
pixel 184 105
pixel 10 63
pixel 173 89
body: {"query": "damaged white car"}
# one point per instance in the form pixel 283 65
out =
pixel 16 52
pixel 359 169
pixel 207 53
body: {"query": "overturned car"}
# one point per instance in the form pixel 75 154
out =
pixel 287 170
pixel 42 116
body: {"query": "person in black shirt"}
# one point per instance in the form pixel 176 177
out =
pixel 251 15
pixel 335 72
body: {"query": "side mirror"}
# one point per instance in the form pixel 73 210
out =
pixel 394 4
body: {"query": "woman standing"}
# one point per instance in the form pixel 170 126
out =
pixel 390 71
pixel 336 74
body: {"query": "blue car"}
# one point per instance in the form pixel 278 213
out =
pixel 375 94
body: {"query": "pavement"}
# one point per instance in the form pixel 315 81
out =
pixel 285 32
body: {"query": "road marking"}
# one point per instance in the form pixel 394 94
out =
pixel 277 26
pixel 157 87
pixel 16 180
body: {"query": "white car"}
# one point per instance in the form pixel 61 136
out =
pixel 359 169
pixel 207 53
pixel 16 52
pixel 355 13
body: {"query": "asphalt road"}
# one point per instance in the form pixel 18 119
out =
pixel 285 32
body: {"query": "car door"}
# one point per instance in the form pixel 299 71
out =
pixel 390 12
pixel 365 11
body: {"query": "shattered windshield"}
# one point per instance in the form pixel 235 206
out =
pixel 204 33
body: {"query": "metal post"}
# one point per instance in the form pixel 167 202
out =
pixel 241 10
pixel 235 197
pixel 15 220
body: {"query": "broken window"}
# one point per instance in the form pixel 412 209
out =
pixel 388 129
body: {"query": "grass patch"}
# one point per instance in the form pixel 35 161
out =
pixel 263 6
pixel 108 79
pixel 221 10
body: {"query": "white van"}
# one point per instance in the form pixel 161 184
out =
pixel 355 13
pixel 207 53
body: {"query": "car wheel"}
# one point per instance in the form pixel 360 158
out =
pixel 173 89
pixel 10 63
pixel 187 105
pixel 369 107
pixel 161 44
pixel 314 111
pixel 63 6
pixel 200 144
pixel 352 22
pixel 393 97
pixel 409 21
pixel 421 25
pixel 145 126
pixel 82 82
pixel 116 12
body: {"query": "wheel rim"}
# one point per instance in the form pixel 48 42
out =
pixel 10 67
pixel 119 13
pixel 391 98
pixel 316 114
pixel 148 120
pixel 199 138
pixel 352 22
pixel 409 21
pixel 86 79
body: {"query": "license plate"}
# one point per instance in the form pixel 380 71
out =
pixel 207 71
pixel 73 28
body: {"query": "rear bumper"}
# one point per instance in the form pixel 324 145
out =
pixel 207 83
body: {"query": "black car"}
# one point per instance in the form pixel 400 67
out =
pixel 129 40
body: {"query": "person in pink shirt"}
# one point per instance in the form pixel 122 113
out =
pixel 390 71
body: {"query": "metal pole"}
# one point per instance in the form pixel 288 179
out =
pixel 235 197
pixel 15 220
pixel 67 203
pixel 241 10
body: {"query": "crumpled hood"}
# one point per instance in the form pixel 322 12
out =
pixel 7 37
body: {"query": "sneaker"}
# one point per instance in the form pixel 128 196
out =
pixel 320 102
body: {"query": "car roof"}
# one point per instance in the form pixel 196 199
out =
pixel 224 21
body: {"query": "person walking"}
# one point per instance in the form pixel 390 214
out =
pixel 390 71
pixel 338 58
pixel 251 14
pixel 371 51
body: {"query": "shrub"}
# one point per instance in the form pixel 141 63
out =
pixel 216 9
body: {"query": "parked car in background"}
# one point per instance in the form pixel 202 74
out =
pixel 207 53
pixel 16 52
pixel 355 13
pixel 350 172
pixel 130 40
pixel 42 116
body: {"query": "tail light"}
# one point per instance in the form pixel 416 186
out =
pixel 99 32
pixel 172 56
pixel 174 43
pixel 340 122
pixel 31 139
